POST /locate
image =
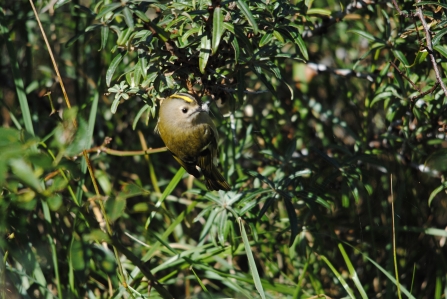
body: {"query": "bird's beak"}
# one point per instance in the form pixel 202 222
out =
pixel 203 108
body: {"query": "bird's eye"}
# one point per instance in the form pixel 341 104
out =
pixel 184 110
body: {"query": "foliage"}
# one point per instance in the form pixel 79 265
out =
pixel 337 164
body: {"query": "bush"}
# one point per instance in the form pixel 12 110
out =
pixel 332 135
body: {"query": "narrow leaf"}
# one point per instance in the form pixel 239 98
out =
pixel 401 56
pixel 298 41
pixel 128 17
pixel 108 8
pixel 438 36
pixel 352 272
pixel 137 117
pixel 205 51
pixel 441 49
pixel 115 62
pixel 104 36
pixel 247 13
pixel 218 28
pixel 364 34
pixel 251 260
pixel 292 218
pixel 339 276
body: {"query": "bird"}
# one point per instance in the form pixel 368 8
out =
pixel 190 135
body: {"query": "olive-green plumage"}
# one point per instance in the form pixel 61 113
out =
pixel 190 135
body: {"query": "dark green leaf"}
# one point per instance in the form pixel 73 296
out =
pixel 115 207
pixel 292 218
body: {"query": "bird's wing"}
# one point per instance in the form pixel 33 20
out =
pixel 189 166
pixel 207 161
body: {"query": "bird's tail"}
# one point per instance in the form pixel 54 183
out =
pixel 215 180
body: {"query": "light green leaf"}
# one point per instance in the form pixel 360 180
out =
pixel 218 28
pixel 128 17
pixel 247 13
pixel 115 62
pixel 205 51
pixel 251 260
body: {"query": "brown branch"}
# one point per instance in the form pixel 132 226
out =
pixel 103 148
pixel 53 60
pixel 430 48
pixel 425 92
pixel 399 10
pixel 405 76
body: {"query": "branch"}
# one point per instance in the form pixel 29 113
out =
pixel 430 48
pixel 103 148
pixel 321 68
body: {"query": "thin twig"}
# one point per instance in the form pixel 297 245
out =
pixel 104 149
pixel 321 68
pixel 67 101
pixel 425 92
pixel 399 10
pixel 405 76
pixel 430 48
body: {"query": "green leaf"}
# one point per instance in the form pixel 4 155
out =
pixel 339 277
pixel 25 173
pixel 113 65
pixel 104 37
pixel 292 218
pixel 205 51
pixel 141 15
pixel 171 186
pixel 438 36
pixel 251 260
pixel 77 255
pixel 128 17
pixel 187 34
pixel 266 38
pixel 258 71
pixel 420 57
pixel 319 11
pixel 218 28
pixel 137 117
pixel 115 207
pixel 17 76
pixel 295 37
pixel 115 103
pixel 108 8
pixel 55 202
pixel 401 56
pixel 247 13
pixel 237 52
pixel 441 49
pixel 435 192
pixel 353 274
pixel 366 35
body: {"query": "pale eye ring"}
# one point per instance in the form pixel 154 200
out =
pixel 184 110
